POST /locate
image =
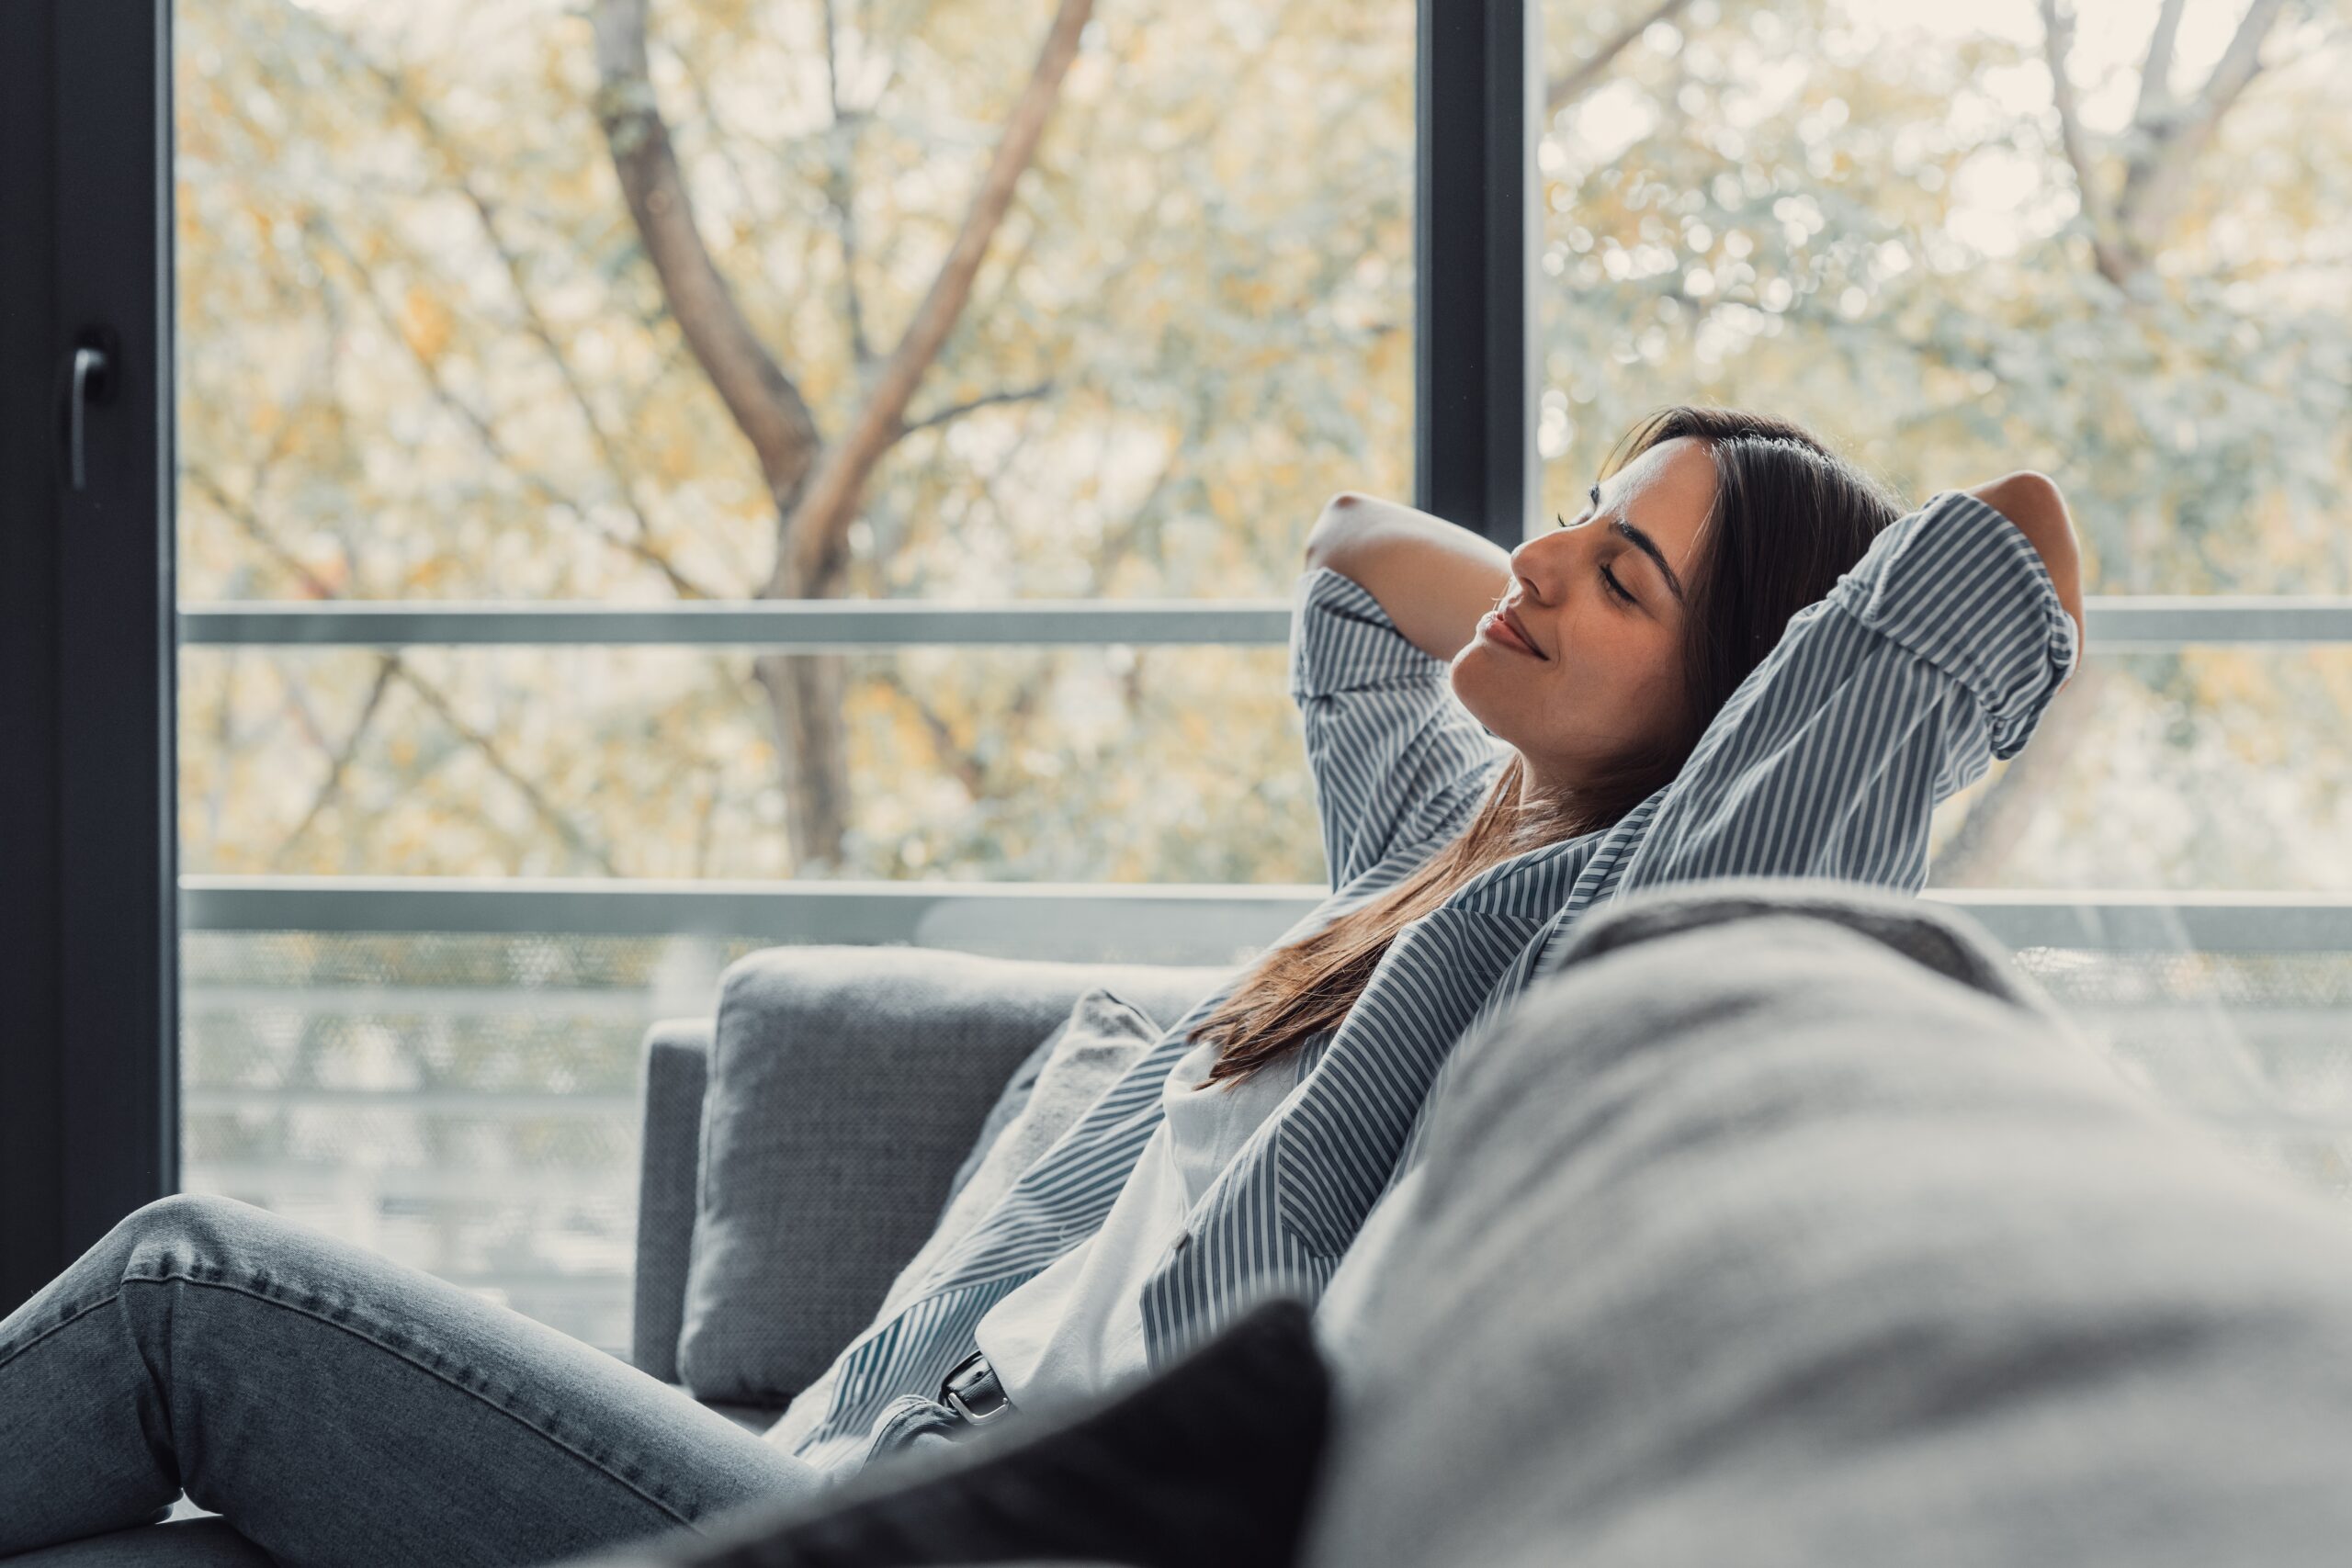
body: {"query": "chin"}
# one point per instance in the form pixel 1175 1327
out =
pixel 1486 691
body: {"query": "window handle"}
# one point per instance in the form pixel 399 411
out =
pixel 89 380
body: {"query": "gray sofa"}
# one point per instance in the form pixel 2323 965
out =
pixel 1784 1223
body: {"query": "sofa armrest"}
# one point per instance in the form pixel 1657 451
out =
pixel 677 1069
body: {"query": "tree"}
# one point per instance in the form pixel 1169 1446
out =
pixel 2161 151
pixel 817 484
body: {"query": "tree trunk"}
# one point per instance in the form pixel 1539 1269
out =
pixel 805 692
pixel 817 486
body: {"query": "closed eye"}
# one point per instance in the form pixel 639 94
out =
pixel 1615 587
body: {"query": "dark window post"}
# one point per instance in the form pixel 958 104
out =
pixel 88 938
pixel 1474 224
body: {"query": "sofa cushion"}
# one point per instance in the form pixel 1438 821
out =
pixel 1762 1243
pixel 1009 1103
pixel 1208 1465
pixel 845 1084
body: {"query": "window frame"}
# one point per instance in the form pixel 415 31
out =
pixel 88 936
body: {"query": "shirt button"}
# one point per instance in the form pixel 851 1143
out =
pixel 1183 1241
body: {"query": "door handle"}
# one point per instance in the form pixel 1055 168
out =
pixel 89 381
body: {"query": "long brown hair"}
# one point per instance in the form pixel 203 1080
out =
pixel 1790 518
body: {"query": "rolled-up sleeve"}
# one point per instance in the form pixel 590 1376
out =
pixel 1939 651
pixel 1397 761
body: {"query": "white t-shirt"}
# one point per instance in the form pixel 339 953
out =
pixel 1074 1330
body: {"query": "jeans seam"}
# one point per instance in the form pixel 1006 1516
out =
pixel 429 1370
pixel 58 1326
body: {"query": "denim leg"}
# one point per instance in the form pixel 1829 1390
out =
pixel 339 1408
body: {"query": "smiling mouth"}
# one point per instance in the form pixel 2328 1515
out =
pixel 1501 627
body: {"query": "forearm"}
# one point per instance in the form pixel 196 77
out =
pixel 1435 579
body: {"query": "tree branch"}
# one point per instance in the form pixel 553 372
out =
pixel 763 402
pixel 1581 78
pixel 2155 71
pixel 339 760
pixel 943 744
pixel 957 411
pixel 2166 149
pixel 840 153
pixel 547 809
pixel 250 525
pixel 816 541
pixel 2058 42
pixel 424 689
pixel 486 434
pixel 486 212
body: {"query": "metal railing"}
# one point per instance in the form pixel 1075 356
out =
pixel 1163 922
pixel 2129 624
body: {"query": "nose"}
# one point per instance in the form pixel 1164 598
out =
pixel 1544 563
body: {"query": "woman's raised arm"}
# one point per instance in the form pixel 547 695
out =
pixel 2033 502
pixel 1433 578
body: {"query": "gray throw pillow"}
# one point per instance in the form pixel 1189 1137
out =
pixel 1009 1103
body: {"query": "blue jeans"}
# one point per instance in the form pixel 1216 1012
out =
pixel 339 1408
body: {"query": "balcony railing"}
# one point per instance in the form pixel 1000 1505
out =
pixel 2133 623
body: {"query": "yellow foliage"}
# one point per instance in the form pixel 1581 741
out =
pixel 426 322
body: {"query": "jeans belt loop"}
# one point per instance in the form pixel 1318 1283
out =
pixel 973 1390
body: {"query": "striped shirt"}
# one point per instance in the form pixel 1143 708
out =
pixel 1936 653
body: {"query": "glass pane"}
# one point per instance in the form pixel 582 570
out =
pixel 2212 767
pixel 1890 222
pixel 965 762
pixel 427 352
pixel 465 1104
pixel 1870 216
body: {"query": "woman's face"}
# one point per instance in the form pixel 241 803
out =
pixel 1605 674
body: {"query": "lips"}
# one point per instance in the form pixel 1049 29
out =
pixel 1519 629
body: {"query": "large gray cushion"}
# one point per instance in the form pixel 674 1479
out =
pixel 845 1085
pixel 1011 1101
pixel 1758 1242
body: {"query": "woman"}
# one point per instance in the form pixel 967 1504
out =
pixel 1738 659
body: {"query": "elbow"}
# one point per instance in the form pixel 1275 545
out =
pixel 2030 500
pixel 2033 502
pixel 1333 527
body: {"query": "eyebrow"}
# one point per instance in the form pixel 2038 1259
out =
pixel 1646 544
